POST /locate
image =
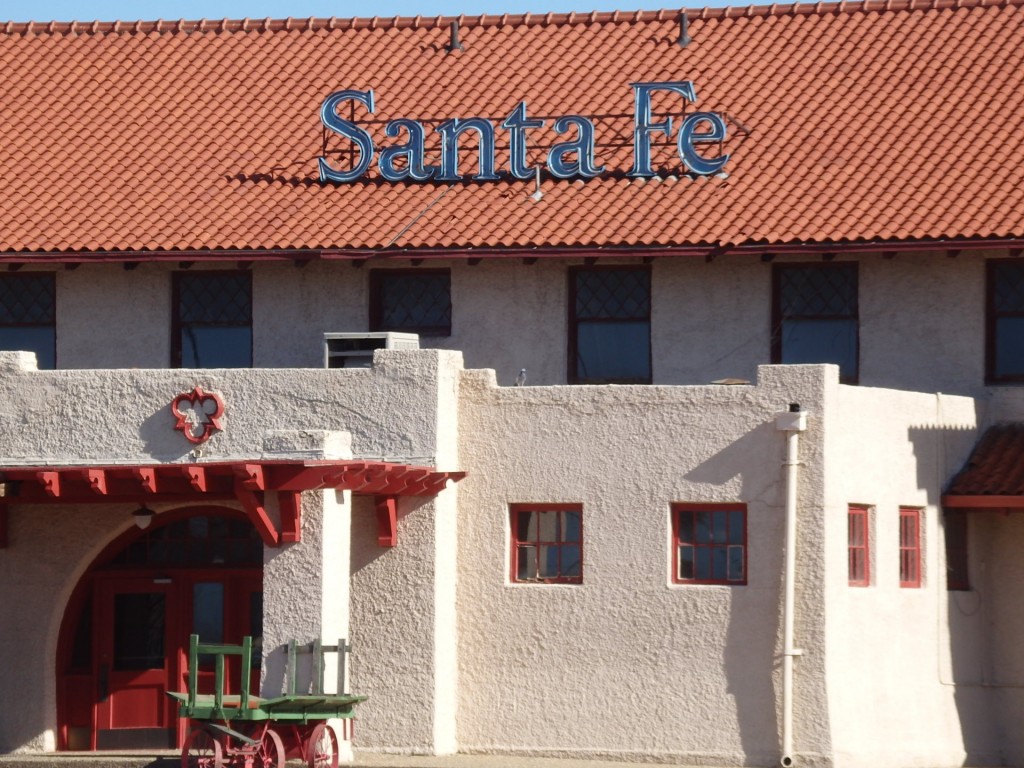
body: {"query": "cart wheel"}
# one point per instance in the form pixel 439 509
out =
pixel 201 750
pixel 270 751
pixel 323 747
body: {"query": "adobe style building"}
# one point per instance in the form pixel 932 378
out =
pixel 757 275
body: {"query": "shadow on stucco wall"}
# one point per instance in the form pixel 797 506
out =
pixel 940 452
pixel 749 651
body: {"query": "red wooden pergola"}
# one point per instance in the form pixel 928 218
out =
pixel 247 482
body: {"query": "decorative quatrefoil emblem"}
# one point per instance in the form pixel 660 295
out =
pixel 198 414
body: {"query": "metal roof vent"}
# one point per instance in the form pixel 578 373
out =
pixel 453 40
pixel 684 30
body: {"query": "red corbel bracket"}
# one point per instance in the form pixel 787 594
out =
pixel 387 520
pixel 290 503
pixel 51 483
pixel 257 514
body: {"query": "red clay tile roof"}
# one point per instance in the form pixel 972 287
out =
pixel 996 466
pixel 880 121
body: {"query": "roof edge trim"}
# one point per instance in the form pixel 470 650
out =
pixel 334 23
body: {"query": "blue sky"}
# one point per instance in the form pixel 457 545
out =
pixel 108 10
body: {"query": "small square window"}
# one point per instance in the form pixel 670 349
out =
pixel 28 310
pixel 859 545
pixel 212 320
pixel 610 325
pixel 547 543
pixel 910 547
pixel 413 301
pixel 709 543
pixel 956 551
pixel 815 316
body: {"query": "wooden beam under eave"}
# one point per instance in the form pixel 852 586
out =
pixel 290 504
pixel 197 478
pixel 97 479
pixel 387 520
pixel 257 514
pixel 50 482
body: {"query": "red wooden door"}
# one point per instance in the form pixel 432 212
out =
pixel 137 660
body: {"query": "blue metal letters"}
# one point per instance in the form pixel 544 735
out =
pixel 565 160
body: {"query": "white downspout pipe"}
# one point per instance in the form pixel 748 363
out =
pixel 792 422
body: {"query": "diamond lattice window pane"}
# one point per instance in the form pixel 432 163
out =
pixel 27 299
pixel 415 302
pixel 613 294
pixel 1008 288
pixel 816 291
pixel 215 298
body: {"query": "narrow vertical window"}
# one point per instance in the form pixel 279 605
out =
pixel 815 316
pixel 910 547
pixel 212 320
pixel 609 325
pixel 416 301
pixel 956 551
pixel 1004 322
pixel 547 543
pixel 859 547
pixel 28 304
pixel 710 543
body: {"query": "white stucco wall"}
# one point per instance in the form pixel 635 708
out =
pixel 626 664
pixel 921 316
pixel 900 678
pixel 122 416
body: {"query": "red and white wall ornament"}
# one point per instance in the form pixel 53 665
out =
pixel 198 414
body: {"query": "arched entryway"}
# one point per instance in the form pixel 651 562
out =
pixel 124 638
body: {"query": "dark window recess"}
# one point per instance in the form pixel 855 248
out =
pixel 81 651
pixel 710 543
pixel 414 301
pixel 139 628
pixel 610 325
pixel 213 320
pixel 547 543
pixel 196 541
pixel 28 311
pixel 956 552
pixel 1005 322
pixel 815 316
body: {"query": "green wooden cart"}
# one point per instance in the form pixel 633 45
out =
pixel 245 731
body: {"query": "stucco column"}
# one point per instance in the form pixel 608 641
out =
pixel 306 594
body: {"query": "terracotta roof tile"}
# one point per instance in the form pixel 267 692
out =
pixel 995 467
pixel 849 122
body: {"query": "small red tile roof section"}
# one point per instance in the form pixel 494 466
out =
pixel 881 122
pixel 993 476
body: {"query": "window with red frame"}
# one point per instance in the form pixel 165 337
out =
pixel 956 551
pixel 910 547
pixel 859 544
pixel 547 543
pixel 710 543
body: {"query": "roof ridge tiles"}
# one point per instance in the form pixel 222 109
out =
pixel 310 24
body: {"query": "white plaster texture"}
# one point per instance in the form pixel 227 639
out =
pixel 626 664
pixel 894 668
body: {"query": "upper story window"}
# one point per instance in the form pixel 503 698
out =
pixel 859 545
pixel 910 547
pixel 212 320
pixel 710 543
pixel 547 543
pixel 28 311
pixel 1004 320
pixel 415 301
pixel 610 325
pixel 815 316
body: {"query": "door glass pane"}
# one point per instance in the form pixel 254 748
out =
pixel 139 621
pixel 208 615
